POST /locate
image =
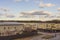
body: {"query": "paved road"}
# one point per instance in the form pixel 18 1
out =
pixel 39 37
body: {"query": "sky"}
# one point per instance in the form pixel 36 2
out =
pixel 29 9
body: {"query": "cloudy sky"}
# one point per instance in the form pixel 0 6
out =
pixel 29 9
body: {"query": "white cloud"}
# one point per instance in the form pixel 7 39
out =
pixel 1 15
pixel 17 0
pixel 9 15
pixel 6 12
pixel 47 5
pixel 36 12
pixel 4 9
pixel 39 15
pixel 41 4
pixel 58 9
pixel 26 0
pixel 21 0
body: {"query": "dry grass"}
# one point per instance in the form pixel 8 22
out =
pixel 48 36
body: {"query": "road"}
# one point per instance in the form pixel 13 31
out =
pixel 39 37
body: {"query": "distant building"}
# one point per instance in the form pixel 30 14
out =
pixel 53 26
pixel 11 28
